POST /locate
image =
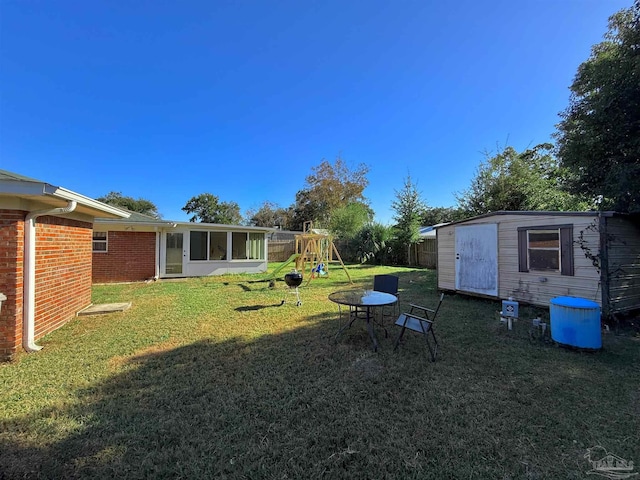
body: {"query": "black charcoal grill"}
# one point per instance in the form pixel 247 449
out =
pixel 293 280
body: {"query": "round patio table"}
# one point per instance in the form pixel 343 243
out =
pixel 360 299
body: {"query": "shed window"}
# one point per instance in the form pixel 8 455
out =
pixel 546 248
pixel 100 242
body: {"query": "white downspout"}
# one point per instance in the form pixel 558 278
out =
pixel 157 266
pixel 29 293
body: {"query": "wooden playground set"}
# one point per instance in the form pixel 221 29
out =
pixel 314 250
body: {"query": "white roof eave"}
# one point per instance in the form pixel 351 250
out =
pixel 224 226
pixel 188 225
pixel 39 189
pixel 89 202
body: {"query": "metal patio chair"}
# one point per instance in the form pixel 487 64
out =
pixel 422 324
pixel 387 284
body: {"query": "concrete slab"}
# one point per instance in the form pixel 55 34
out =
pixel 104 308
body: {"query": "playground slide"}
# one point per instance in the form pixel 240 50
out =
pixel 275 273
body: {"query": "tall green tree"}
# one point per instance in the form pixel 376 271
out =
pixel 530 180
pixel 409 210
pixel 207 208
pixel 599 134
pixel 347 221
pixel 328 187
pixel 436 215
pixel 139 205
pixel 269 215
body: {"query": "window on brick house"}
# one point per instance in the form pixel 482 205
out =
pixel 100 242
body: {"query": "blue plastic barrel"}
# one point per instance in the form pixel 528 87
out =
pixel 575 322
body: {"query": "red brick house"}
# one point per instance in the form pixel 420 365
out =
pixel 142 247
pixel 45 258
pixel 126 251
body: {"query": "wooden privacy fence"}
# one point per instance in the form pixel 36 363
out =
pixel 281 250
pixel 423 254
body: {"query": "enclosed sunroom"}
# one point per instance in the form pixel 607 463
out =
pixel 144 247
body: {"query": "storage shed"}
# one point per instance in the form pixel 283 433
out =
pixel 536 256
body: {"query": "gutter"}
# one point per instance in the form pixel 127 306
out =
pixel 39 189
pixel 29 281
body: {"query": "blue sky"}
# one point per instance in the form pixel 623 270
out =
pixel 169 99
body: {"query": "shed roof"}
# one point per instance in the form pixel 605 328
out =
pixel 538 213
pixel 15 185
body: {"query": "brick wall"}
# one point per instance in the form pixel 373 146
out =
pixel 63 274
pixel 130 257
pixel 63 271
pixel 11 277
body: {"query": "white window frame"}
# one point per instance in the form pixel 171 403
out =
pixel 206 232
pixel 247 246
pixel 100 241
pixel 557 249
pixel 566 253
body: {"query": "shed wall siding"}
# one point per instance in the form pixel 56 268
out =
pixel 623 251
pixel 532 287
pixel 130 257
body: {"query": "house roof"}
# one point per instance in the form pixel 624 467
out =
pixel 224 226
pixel 278 234
pixel 5 175
pixel 136 218
pixel 15 185
pixel 430 231
pixel 141 219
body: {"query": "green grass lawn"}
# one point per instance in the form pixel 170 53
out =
pixel 212 378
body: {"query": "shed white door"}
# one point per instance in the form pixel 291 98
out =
pixel 477 259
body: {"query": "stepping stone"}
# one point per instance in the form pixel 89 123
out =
pixel 104 308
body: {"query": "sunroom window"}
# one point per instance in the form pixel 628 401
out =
pixel 217 245
pixel 256 246
pixel 212 246
pixel 239 246
pixel 198 245
pixel 247 246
